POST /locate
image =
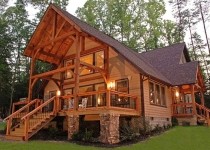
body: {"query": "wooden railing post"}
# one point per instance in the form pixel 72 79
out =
pixel 108 96
pixel 8 126
pixel 26 120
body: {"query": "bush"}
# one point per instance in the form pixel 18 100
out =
pixel 128 134
pixel 157 129
pixel 145 127
pixel 86 136
pixel 185 123
pixel 174 121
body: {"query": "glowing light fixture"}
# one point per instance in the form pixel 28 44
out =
pixel 111 85
pixel 177 94
pixel 58 93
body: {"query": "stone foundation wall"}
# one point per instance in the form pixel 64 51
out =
pixel 161 121
pixel 184 121
pixel 73 125
pixel 109 128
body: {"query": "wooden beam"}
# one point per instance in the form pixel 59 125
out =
pixel 202 98
pixel 59 30
pixel 193 99
pixel 106 64
pixel 30 88
pixel 67 19
pixel 101 71
pixel 55 40
pixel 49 73
pixel 49 54
pixel 76 70
pixel 84 80
pixel 88 51
pixel 54 25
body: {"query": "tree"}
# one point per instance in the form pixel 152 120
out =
pixel 136 23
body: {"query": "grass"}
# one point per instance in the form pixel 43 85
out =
pixel 2 125
pixel 178 138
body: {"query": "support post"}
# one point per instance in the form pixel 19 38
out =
pixel 73 125
pixel 30 87
pixel 109 128
pixel 202 98
pixel 77 66
pixel 193 98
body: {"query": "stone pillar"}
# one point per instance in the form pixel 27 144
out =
pixel 109 128
pixel 73 125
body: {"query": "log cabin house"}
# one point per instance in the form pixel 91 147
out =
pixel 99 81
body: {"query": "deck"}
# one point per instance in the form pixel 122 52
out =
pixel 28 120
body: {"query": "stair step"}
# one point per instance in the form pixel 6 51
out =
pixel 15 138
pixel 16 133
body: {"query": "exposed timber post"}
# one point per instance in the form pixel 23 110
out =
pixel 193 98
pixel 76 71
pixel 31 81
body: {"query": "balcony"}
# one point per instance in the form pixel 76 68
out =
pixel 182 109
pixel 97 102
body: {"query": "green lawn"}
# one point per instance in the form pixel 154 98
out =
pixel 2 125
pixel 179 138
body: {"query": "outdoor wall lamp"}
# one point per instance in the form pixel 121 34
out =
pixel 111 85
pixel 58 93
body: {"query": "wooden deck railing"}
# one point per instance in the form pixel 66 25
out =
pixel 18 105
pixel 39 115
pixel 14 119
pixel 182 109
pixel 204 112
pixel 99 99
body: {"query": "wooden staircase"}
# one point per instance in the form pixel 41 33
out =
pixel 38 115
pixel 203 114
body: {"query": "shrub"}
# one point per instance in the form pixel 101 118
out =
pixel 174 121
pixel 185 123
pixel 86 136
pixel 127 133
pixel 145 127
pixel 157 129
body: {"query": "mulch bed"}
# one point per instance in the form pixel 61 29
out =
pixel 44 135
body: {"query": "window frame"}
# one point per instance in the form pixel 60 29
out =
pixel 158 95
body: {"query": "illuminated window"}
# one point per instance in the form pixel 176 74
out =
pixel 163 96
pixel 157 94
pixel 99 59
pixel 152 93
pixel 87 59
pixel 68 73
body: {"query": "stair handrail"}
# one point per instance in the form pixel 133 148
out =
pixel 203 107
pixel 21 109
pixel 39 108
pixel 25 119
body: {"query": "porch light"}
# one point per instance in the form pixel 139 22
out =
pixel 111 85
pixel 177 94
pixel 58 93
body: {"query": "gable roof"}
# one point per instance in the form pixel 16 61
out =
pixel 167 61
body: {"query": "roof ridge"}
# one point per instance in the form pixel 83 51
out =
pixel 158 49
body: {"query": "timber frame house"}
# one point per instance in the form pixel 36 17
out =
pixel 96 80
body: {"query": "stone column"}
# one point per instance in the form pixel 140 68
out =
pixel 73 125
pixel 109 128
